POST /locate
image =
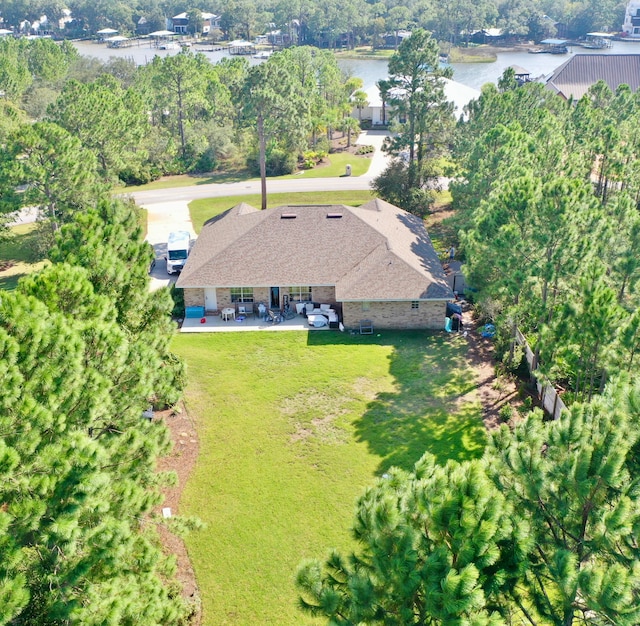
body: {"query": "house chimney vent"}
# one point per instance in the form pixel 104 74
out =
pixel 288 216
pixel 334 216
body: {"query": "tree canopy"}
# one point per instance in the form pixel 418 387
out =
pixel 540 530
pixel 78 462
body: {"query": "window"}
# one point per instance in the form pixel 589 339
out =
pixel 300 294
pixel 415 304
pixel 241 294
pixel 366 306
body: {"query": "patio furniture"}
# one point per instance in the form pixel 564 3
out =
pixel 274 318
pixel 245 310
pixel 228 313
pixel 317 321
pixel 288 313
pixel 262 311
pixel 366 327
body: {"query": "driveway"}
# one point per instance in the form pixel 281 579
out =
pixel 162 219
pixel 380 159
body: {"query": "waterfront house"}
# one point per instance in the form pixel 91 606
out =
pixel 631 25
pixel 379 113
pixel 574 77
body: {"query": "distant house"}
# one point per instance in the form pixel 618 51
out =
pixel 372 262
pixel 380 113
pixel 491 36
pixel 631 26
pixel 521 75
pixel 574 77
pixel 143 27
pixel 393 40
pixel 180 23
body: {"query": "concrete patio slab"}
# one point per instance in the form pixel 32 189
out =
pixel 214 324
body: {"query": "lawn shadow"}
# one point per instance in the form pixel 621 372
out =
pixel 8 283
pixel 236 176
pixel 423 412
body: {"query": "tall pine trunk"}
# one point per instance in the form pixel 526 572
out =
pixel 263 161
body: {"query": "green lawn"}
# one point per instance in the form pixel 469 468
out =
pixel 336 167
pixel 292 427
pixel 188 180
pixel 202 210
pixel 18 256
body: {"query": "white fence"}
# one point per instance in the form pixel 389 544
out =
pixel 549 398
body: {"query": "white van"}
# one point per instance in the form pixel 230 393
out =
pixel 177 250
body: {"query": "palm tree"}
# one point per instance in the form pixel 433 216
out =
pixel 349 125
pixel 384 86
pixel 359 99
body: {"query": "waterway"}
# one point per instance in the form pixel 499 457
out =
pixel 371 70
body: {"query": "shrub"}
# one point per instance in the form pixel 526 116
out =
pixel 207 162
pixel 280 162
pixel 322 145
pixel 139 175
pixel 178 301
pixel 365 150
pixel 505 413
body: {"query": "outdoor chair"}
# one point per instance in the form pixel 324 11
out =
pixel 274 318
pixel 366 327
pixel 245 310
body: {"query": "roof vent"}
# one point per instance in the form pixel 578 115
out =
pixel 334 216
pixel 288 216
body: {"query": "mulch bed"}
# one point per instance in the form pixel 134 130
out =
pixel 181 460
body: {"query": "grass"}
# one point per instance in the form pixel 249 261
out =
pixel 292 427
pixel 206 208
pixel 336 167
pixel 188 180
pixel 365 52
pixel 472 55
pixel 337 164
pixel 17 256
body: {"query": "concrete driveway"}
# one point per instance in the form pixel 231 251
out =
pixel 162 219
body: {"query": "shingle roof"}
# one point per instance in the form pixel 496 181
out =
pixel 574 77
pixel 373 252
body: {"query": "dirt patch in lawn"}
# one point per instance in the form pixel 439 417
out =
pixel 181 460
pixel 491 390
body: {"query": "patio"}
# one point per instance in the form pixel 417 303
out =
pixel 215 324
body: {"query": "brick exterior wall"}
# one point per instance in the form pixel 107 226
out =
pixel 193 297
pixel 396 315
pixel 323 295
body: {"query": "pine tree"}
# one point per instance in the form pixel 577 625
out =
pixel 437 546
pixel 569 481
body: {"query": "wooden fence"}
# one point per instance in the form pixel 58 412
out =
pixel 549 398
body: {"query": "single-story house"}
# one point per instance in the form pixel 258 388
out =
pixel 372 262
pixel 574 77
pixel 454 91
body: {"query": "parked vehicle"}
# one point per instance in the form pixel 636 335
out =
pixel 178 245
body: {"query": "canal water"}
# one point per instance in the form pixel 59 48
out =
pixel 371 70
